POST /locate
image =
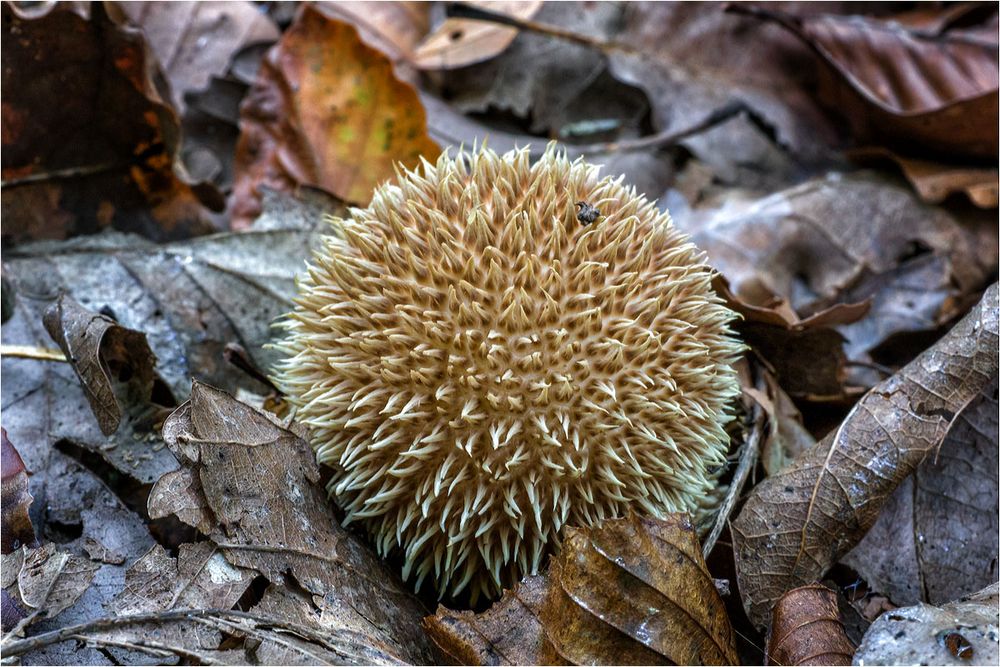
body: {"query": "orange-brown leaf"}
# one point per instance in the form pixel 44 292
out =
pixel 326 110
pixel 15 522
pixel 806 629
pixel 798 523
pixel 632 591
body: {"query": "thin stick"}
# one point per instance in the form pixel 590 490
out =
pixel 62 174
pixel 32 352
pixel 671 137
pixel 748 461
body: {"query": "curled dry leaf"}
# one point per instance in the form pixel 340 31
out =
pixel 806 629
pixel 103 354
pixel 806 355
pixel 459 42
pixel 936 537
pixel 195 41
pixel 964 632
pixel 632 591
pixel 845 239
pixel 46 579
pixel 253 487
pixel 798 523
pixel 905 87
pixel 326 110
pixel 89 161
pixel 15 524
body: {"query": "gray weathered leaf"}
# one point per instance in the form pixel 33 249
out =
pixel 798 523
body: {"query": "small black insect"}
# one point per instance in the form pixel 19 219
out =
pixel 586 213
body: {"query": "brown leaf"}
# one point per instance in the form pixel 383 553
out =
pixel 786 436
pixel 16 499
pixel 806 355
pixel 936 537
pixel 194 41
pixel 798 523
pixel 46 579
pixel 103 153
pixel 904 87
pixel 326 110
pixel 394 27
pixel 460 42
pixel 806 629
pixel 936 181
pixel 269 513
pixel 633 591
pixel 963 632
pixel 103 354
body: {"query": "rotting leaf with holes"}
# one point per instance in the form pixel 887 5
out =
pixel 806 629
pixel 280 523
pixel 936 537
pixel 327 111
pixel 798 523
pixel 88 142
pixel 103 354
pixel 905 87
pixel 632 591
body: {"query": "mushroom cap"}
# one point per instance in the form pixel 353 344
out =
pixel 480 368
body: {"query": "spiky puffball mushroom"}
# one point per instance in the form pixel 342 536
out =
pixel 480 369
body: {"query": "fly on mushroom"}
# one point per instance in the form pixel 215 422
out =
pixel 586 213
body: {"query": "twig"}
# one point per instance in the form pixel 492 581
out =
pixel 748 461
pixel 153 648
pixel 62 174
pixel 32 352
pixel 671 137
pixel 460 10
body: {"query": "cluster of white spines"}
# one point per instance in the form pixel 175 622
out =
pixel 480 369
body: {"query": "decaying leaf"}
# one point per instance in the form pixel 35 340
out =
pixel 16 499
pixel 46 579
pixel 798 523
pixel 806 355
pixel 327 111
pixel 786 436
pixel 806 629
pixel 269 514
pixel 87 161
pixel 102 353
pixel 936 537
pixel 845 239
pixel 905 87
pixel 964 632
pixel 936 181
pixel 633 591
pixel 459 42
pixel 189 299
pixel 194 41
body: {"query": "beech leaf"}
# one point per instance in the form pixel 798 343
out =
pixel 459 42
pixel 14 520
pixel 806 629
pixel 632 591
pixel 327 111
pixel 798 523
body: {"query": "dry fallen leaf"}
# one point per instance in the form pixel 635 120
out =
pixel 264 508
pixel 459 42
pixel 786 436
pixel 848 238
pixel 103 354
pixel 15 524
pixel 964 632
pixel 806 629
pixel 84 161
pixel 904 87
pixel 194 41
pixel 936 537
pixel 46 579
pixel 798 523
pixel 633 591
pixel 327 111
